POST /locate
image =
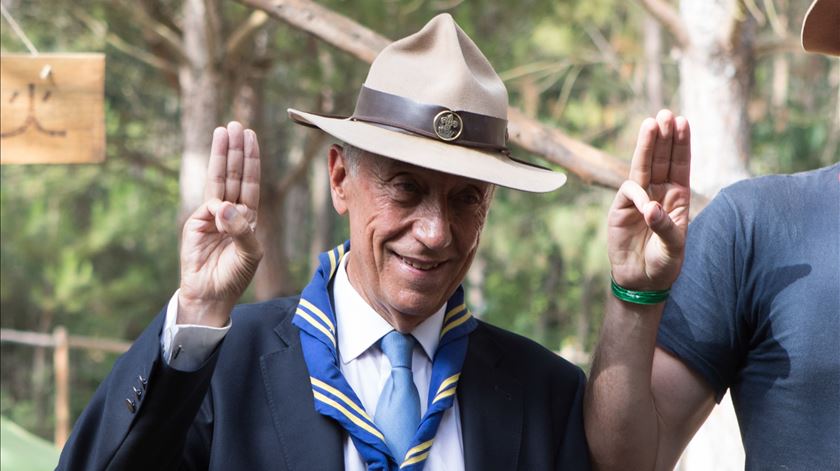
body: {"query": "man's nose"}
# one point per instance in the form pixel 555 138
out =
pixel 433 227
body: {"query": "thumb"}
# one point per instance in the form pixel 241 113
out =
pixel 231 222
pixel 661 223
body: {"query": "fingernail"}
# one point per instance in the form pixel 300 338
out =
pixel 229 213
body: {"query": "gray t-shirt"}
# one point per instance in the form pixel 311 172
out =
pixel 756 309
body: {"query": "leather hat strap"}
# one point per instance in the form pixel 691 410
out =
pixel 456 127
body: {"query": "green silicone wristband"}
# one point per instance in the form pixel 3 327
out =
pixel 638 297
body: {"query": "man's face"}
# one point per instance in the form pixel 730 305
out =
pixel 413 232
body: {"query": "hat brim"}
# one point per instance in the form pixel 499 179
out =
pixel 821 28
pixel 491 167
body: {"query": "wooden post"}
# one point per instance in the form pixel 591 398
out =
pixel 61 363
pixel 61 342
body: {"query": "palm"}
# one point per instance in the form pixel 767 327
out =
pixel 646 252
pixel 212 268
pixel 219 252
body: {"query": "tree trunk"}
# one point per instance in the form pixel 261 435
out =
pixel 530 96
pixel 716 73
pixel 781 84
pixel 41 375
pixel 272 275
pixel 475 285
pixel 554 286
pixel 583 325
pixel 296 205
pixel 200 83
pixel 321 212
pixel 273 278
pixel 653 63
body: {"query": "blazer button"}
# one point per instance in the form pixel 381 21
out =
pixel 130 405
pixel 142 380
pixel 137 393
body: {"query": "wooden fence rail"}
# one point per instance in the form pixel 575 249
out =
pixel 61 343
pixel 40 339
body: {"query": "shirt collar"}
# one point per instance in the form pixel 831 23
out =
pixel 360 327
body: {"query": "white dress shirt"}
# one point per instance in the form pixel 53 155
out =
pixel 362 363
pixel 192 344
pixel 367 368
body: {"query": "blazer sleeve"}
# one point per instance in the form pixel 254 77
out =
pixel 144 415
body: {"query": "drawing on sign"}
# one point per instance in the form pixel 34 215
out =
pixel 31 120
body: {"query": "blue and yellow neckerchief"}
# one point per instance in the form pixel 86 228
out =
pixel 336 399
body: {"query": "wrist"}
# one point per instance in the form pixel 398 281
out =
pixel 641 297
pixel 195 311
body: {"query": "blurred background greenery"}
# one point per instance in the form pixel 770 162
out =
pixel 94 247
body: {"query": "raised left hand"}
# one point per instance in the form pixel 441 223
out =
pixel 648 220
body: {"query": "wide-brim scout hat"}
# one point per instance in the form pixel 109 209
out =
pixel 821 28
pixel 433 100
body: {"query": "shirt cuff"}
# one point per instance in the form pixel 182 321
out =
pixel 187 346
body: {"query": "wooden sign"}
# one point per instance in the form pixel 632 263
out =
pixel 52 108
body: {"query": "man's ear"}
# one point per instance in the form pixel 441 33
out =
pixel 339 178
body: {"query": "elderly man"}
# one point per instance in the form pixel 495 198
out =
pixel 378 364
pixel 756 310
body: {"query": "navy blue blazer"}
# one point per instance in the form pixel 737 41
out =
pixel 250 406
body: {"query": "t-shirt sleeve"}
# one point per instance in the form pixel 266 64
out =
pixel 701 324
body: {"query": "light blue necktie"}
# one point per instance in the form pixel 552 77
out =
pixel 398 409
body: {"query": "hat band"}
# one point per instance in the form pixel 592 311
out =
pixel 457 127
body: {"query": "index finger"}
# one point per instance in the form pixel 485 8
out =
pixel 214 186
pixel 640 166
pixel 250 192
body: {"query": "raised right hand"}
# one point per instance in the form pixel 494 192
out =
pixel 219 250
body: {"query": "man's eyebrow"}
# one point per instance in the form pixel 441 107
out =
pixel 381 170
pixel 487 192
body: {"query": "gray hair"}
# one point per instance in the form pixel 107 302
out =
pixel 352 154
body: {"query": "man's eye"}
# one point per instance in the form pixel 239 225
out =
pixel 407 187
pixel 470 198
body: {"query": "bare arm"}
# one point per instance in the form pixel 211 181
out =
pixel 642 404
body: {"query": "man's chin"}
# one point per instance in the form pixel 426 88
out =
pixel 418 305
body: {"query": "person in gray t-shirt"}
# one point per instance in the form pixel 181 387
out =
pixel 755 309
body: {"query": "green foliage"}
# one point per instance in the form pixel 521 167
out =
pixel 801 134
pixel 546 265
pixel 90 247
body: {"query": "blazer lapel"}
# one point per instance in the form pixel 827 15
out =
pixel 308 439
pixel 491 405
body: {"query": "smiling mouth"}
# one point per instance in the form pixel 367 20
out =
pixel 424 266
